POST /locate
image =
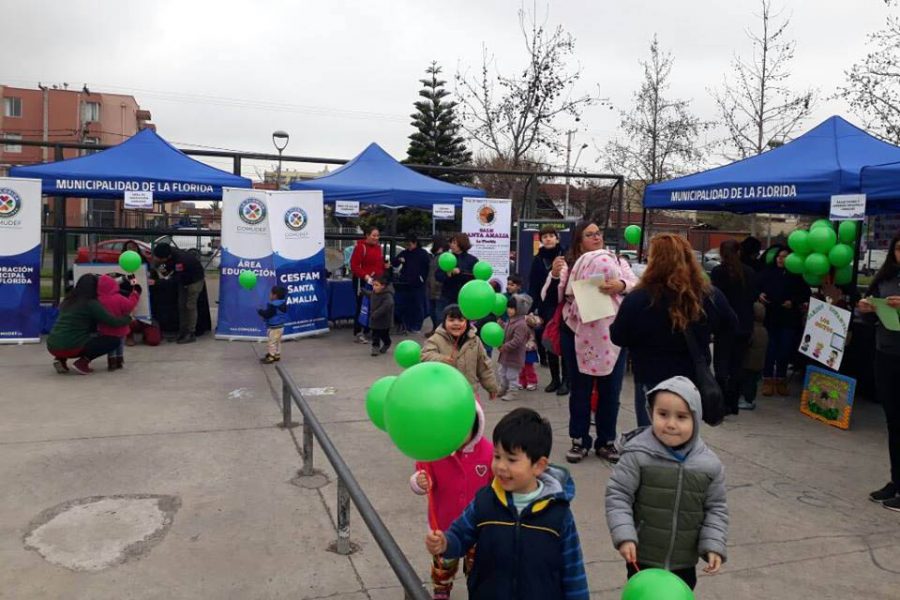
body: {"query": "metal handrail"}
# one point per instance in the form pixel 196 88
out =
pixel 348 489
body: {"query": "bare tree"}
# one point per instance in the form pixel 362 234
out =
pixel 513 116
pixel 873 84
pixel 757 108
pixel 659 134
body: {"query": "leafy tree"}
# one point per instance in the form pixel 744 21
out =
pixel 436 140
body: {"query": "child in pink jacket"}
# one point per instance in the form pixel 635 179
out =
pixel 454 481
pixel 118 306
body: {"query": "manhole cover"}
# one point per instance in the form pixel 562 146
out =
pixel 92 534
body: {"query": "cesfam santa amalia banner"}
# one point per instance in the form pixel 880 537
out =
pixel 279 236
pixel 20 260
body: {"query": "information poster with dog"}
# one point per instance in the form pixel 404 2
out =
pixel 825 334
pixel 488 223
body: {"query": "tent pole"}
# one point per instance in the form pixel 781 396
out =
pixel 641 241
pixel 859 235
pixel 59 237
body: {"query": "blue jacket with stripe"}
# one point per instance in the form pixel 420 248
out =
pixel 534 554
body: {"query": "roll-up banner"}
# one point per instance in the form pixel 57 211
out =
pixel 297 228
pixel 20 260
pixel 488 223
pixel 246 246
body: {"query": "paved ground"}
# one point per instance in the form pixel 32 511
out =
pixel 178 458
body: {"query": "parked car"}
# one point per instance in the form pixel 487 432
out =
pixel 711 260
pixel 203 245
pixel 108 251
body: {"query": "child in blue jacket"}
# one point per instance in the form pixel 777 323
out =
pixel 275 314
pixel 523 527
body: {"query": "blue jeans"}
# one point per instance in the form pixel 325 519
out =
pixel 411 302
pixel 782 344
pixel 640 403
pixel 581 386
pixel 437 311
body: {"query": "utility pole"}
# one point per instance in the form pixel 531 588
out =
pixel 568 166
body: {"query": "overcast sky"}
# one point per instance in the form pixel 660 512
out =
pixel 338 74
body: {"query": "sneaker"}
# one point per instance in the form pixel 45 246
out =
pixel 188 339
pixel 888 492
pixel 576 452
pixel 60 366
pixel 608 453
pixel 563 389
pixel 82 366
pixel 361 338
pixel 441 595
pixel 531 387
pixel 744 405
pixel 277 357
pixel 268 359
pixel 892 504
pixel 384 349
pixel 552 387
pixel 374 350
pixel 509 396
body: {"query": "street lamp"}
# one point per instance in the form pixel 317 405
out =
pixel 280 140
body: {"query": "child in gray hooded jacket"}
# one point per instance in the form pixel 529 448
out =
pixel 665 500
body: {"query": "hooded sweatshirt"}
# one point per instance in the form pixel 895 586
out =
pixel 115 304
pixel 456 479
pixel 517 334
pixel 532 553
pixel 381 309
pixel 670 502
pixel 275 313
pixel 467 354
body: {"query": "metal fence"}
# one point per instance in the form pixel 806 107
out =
pixel 347 489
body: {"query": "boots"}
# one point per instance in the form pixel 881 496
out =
pixel 120 362
pixel 768 387
pixel 112 363
pixel 781 387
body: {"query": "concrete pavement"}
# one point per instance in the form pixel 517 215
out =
pixel 195 425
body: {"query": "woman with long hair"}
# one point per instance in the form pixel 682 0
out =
pixel 73 334
pixel 886 285
pixel 588 353
pixel 784 295
pixel 737 281
pixel 673 299
pixel 459 276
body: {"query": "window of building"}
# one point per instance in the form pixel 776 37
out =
pixel 90 111
pixel 12 147
pixel 12 107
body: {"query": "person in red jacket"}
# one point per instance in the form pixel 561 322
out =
pixel 366 263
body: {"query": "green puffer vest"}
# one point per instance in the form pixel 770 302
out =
pixel 668 510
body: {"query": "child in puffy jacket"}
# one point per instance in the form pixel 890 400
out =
pixel 275 315
pixel 528 377
pixel 453 482
pixel 512 352
pixel 118 302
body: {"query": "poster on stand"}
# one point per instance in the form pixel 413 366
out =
pixel 142 311
pixel 825 334
pixel 488 223
pixel 297 229
pixel 246 246
pixel 20 260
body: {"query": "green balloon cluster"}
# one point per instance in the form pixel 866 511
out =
pixel 820 249
pixel 130 261
pixel 492 335
pixel 656 584
pixel 247 279
pixel 633 234
pixel 447 261
pixel 477 299
pixel 482 270
pixel 407 353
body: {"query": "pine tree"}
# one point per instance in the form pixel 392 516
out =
pixel 436 140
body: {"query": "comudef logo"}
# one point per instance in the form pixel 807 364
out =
pixel 252 211
pixel 10 203
pixel 295 218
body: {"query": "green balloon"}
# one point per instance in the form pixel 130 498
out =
pixel 843 275
pixel 822 239
pixel 798 241
pixel 482 270
pixel 130 261
pixel 816 264
pixel 812 279
pixel 771 253
pixel 841 255
pixel 447 261
pixel 821 223
pixel 476 299
pixel 656 584
pixel 633 234
pixel 429 411
pixel 407 353
pixel 794 263
pixel 375 398
pixel 247 279
pixel 492 334
pixel 847 231
pixel 499 304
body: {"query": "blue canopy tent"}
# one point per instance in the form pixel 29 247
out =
pixel 144 162
pixel 374 177
pixel 799 177
pixel 881 185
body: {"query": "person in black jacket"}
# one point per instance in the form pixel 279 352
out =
pixel 545 307
pixel 414 262
pixel 672 300
pixel 737 281
pixel 462 274
pixel 784 296
pixel 189 275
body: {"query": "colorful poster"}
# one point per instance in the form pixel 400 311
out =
pixel 20 260
pixel 297 228
pixel 246 246
pixel 825 334
pixel 827 397
pixel 488 223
